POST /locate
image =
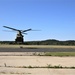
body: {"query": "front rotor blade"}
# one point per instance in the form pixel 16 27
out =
pixel 11 28
pixel 26 30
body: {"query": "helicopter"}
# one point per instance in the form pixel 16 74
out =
pixel 19 36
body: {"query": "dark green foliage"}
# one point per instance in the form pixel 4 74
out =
pixel 51 42
pixel 45 42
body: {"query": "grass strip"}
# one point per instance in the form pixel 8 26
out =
pixel 59 54
pixel 35 46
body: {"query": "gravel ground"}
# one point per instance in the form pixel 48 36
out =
pixel 36 61
pixel 19 61
pixel 36 71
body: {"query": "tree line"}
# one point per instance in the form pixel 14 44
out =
pixel 44 42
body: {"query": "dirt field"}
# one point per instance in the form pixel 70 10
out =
pixel 36 61
pixel 15 65
pixel 22 63
pixel 36 71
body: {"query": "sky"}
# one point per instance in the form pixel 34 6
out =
pixel 54 18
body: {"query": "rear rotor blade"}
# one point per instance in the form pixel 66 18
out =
pixel 26 30
pixel 36 30
pixel 24 33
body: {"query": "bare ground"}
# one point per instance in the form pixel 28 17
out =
pixel 36 71
pixel 20 61
pixel 36 61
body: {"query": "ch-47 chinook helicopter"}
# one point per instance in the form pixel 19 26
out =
pixel 19 37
